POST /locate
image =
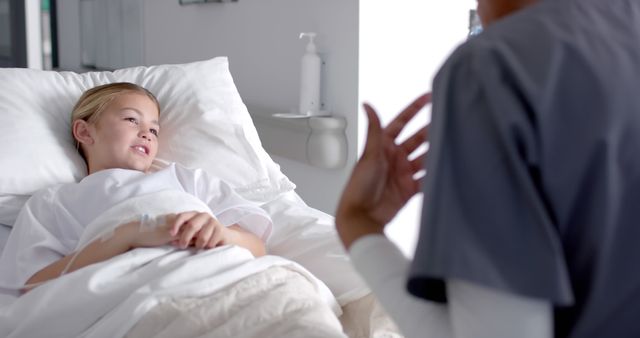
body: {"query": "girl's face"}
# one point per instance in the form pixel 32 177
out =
pixel 125 136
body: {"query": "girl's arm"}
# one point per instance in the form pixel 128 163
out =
pixel 203 231
pixel 98 251
pixel 241 237
pixel 181 229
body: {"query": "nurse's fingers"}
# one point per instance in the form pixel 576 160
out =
pixel 395 127
pixel 374 131
pixel 417 163
pixel 419 183
pixel 415 141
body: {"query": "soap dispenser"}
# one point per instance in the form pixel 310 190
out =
pixel 310 78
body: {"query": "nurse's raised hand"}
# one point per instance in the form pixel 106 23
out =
pixel 383 179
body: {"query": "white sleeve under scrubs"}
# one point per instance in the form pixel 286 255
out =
pixel 473 311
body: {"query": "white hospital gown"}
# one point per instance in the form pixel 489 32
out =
pixel 53 220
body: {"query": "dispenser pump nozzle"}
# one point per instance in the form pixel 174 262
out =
pixel 311 47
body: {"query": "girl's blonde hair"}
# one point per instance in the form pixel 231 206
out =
pixel 94 101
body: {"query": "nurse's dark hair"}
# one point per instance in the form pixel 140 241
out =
pixel 94 101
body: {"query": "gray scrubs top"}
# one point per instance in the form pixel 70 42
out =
pixel 533 175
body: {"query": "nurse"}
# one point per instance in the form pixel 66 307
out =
pixel 529 225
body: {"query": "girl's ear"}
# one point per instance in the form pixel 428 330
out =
pixel 81 132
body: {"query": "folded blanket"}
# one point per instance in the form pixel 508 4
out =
pixel 277 302
pixel 107 299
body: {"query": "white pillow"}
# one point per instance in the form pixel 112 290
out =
pixel 204 124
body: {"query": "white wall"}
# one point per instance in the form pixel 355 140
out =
pixel 402 45
pixel 69 34
pixel 261 40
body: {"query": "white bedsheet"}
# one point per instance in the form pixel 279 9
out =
pixel 308 236
pixel 108 298
pixel 301 234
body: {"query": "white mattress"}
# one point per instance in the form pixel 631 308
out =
pixel 4 234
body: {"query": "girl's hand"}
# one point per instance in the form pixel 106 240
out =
pixel 142 236
pixel 201 230
pixel 184 229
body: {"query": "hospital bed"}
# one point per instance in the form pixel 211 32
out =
pixel 220 125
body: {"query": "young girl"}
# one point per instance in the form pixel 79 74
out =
pixel 116 128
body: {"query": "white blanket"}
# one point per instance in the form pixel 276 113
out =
pixel 107 299
pixel 278 302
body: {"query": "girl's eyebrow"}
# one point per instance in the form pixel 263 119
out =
pixel 140 114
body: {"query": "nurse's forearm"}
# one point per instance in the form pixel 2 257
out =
pixel 98 251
